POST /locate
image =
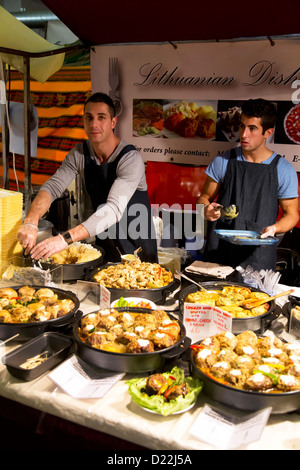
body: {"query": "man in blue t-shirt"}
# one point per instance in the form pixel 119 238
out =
pixel 256 179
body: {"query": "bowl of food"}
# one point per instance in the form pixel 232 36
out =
pixel 135 279
pixel 249 372
pixel 129 339
pixel 139 302
pixel 230 297
pixel 27 311
pixel 76 260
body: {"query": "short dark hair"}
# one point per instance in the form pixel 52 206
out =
pixel 102 98
pixel 260 108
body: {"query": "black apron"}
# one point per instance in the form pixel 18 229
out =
pixel 253 188
pixel 124 236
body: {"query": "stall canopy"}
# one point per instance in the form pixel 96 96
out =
pixel 15 36
pixel 131 21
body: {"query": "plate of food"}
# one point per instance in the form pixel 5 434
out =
pixel 291 124
pixel 165 393
pixel 245 237
pixel 133 302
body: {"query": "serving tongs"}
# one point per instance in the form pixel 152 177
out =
pixel 34 263
pixel 191 280
pixel 256 303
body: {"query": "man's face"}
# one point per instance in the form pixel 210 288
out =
pixel 98 124
pixel 251 133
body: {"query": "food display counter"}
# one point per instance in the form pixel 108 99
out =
pixel 117 415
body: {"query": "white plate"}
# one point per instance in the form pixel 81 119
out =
pixel 136 300
pixel 176 412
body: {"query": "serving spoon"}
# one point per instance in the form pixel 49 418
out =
pixel 256 303
pixel 228 212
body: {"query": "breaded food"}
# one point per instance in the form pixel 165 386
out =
pixel 256 363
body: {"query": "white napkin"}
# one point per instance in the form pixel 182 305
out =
pixel 210 269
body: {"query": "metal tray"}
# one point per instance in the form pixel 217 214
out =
pixel 245 237
pixel 56 346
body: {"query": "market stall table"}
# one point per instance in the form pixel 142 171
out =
pixel 117 415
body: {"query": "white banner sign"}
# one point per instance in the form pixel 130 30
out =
pixel 182 104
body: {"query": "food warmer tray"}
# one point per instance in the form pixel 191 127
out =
pixel 245 237
pixel 259 323
pixel 55 346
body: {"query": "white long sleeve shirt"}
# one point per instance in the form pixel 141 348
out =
pixel 130 177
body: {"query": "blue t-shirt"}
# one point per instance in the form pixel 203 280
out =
pixel 287 175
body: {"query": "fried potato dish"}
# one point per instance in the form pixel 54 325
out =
pixel 27 305
pixel 76 253
pixel 129 332
pixel 134 274
pixel 249 362
pixel 229 299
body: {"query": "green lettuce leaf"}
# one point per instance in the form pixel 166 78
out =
pixel 157 403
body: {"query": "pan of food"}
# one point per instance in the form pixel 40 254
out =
pixel 231 297
pixel 76 261
pixel 135 279
pixel 248 371
pixel 28 311
pixel 129 339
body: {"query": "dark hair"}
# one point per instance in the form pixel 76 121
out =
pixel 102 98
pixel 260 108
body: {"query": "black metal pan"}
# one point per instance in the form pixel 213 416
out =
pixel 258 324
pixel 77 271
pixel 244 400
pixel 128 362
pixel 157 295
pixel 26 331
pixel 293 321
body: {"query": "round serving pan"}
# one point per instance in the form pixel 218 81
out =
pixel 245 400
pixel 128 362
pixel 77 271
pixel 26 331
pixel 258 324
pixel 293 323
pixel 157 295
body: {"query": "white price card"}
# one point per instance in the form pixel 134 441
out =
pixel 104 297
pixel 78 379
pixel 201 321
pixel 226 431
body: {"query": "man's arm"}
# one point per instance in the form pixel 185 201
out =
pixel 209 192
pixel 288 220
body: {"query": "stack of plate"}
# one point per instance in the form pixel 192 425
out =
pixel 11 203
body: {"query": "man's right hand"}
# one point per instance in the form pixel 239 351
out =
pixel 27 235
pixel 212 211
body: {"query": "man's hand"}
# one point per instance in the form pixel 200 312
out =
pixel 27 235
pixel 48 247
pixel 268 231
pixel 212 211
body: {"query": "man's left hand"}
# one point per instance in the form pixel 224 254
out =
pixel 48 247
pixel 269 231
